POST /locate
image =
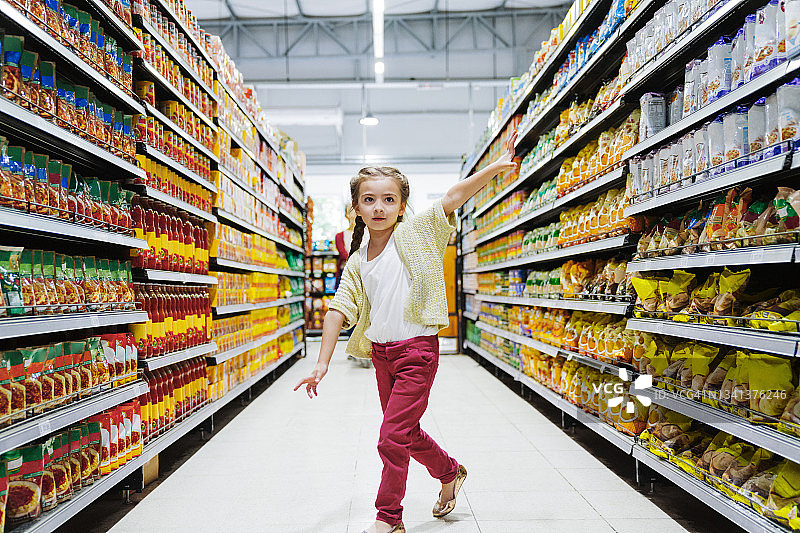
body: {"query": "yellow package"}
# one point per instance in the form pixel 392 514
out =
pixel 657 358
pixel 770 387
pixel 678 290
pixel 731 286
pixel 703 296
pixel 720 440
pixel 648 295
pixel 784 496
pixel 716 378
pixel 701 358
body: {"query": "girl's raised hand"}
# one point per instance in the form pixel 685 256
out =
pixel 313 380
pixel 506 161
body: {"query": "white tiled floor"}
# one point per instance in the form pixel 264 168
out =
pixel 289 464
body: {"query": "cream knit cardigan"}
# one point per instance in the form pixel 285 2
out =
pixel 421 243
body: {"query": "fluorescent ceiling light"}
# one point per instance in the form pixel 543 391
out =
pixel 369 120
pixel 378 8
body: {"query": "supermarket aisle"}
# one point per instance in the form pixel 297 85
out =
pixel 287 464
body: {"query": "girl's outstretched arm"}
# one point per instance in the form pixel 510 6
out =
pixel 331 327
pixel 466 189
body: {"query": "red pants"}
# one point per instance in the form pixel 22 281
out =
pixel 405 372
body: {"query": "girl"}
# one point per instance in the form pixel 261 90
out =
pixel 393 290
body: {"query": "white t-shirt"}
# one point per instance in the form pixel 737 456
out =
pixel 387 284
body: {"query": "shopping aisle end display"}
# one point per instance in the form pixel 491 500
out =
pixel 639 271
pixel 151 246
pixel 525 473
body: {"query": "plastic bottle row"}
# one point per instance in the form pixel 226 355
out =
pixel 178 318
pixel 177 242
pixel 153 132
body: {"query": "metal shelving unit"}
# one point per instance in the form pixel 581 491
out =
pixel 149 151
pixel 229 263
pixel 42 425
pixel 624 442
pixel 575 304
pixel 779 253
pixel 755 171
pixel 759 340
pixel 64 229
pixel 121 30
pixel 176 357
pixel 51 520
pixel 233 352
pixel 739 514
pixel 182 27
pixel 180 204
pixel 145 25
pixel 233 219
pixel 247 188
pixel 242 308
pixel 32 129
pixel 36 325
pixel 197 145
pixel 100 82
pixel 178 277
pixel 764 436
pixel 603 245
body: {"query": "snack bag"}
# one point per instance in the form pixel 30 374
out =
pixel 713 384
pixel 731 286
pixel 720 440
pixel 784 495
pixel 766 39
pixel 703 296
pixel 789 110
pixel 648 295
pixel 737 59
pixel 770 387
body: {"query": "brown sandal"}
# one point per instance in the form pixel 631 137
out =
pixel 440 510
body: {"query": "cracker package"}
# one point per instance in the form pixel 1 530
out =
pixel 784 495
pixel 731 286
pixel 712 386
pixel 25 470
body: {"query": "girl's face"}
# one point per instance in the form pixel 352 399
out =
pixel 379 203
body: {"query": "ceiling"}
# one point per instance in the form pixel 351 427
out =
pixel 218 9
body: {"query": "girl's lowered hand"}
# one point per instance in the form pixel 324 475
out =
pixel 506 161
pixel 313 380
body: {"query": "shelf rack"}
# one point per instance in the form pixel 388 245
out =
pixel 752 172
pixel 763 436
pixel 624 442
pixel 744 517
pixel 42 425
pixel 543 77
pixel 35 130
pixel 233 219
pixel 149 151
pixel 229 263
pixel 176 357
pixel 247 188
pixel 759 340
pixel 177 277
pixel 64 229
pixel 125 36
pixel 197 145
pixel 170 200
pixel 181 26
pixel 36 325
pixel 51 520
pixel 603 245
pixel 243 308
pixel 99 80
pixel 575 304
pixel 754 255
pixel 233 352
pixel 173 54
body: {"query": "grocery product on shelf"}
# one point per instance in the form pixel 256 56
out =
pixel 164 179
pixel 177 241
pixel 178 318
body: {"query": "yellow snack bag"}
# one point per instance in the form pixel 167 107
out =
pixel 713 384
pixel 702 357
pixel 703 296
pixel 648 295
pixel 731 286
pixel 678 290
pixel 784 495
pixel 770 387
